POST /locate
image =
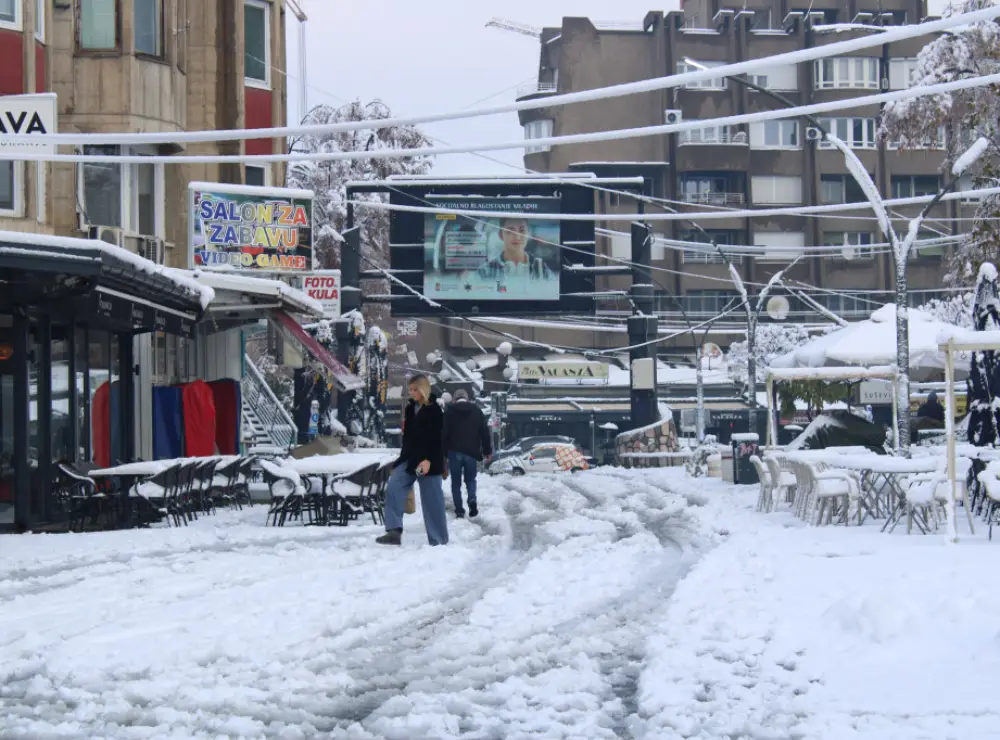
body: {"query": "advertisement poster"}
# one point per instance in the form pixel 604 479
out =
pixel 238 227
pixel 324 286
pixel 492 259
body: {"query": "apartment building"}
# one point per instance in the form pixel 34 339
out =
pixel 139 66
pixel 762 165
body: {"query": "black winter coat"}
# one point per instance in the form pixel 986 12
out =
pixel 465 430
pixel 422 432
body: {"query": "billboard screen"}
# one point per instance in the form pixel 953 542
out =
pixel 505 258
pixel 238 227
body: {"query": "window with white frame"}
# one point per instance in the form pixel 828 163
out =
pixel 776 189
pixel 40 20
pixel 711 135
pixel 130 197
pixel 857 133
pixel 781 77
pixel 257 43
pixel 847 72
pixel 11 188
pixel 147 21
pixel 101 187
pixel 540 129
pixel 9 15
pixel 780 246
pixel 716 84
pixel 929 245
pixel 853 244
pixel 840 189
pixel 901 73
pixel 98 25
pixel 774 135
pixel 258 175
pixel 914 186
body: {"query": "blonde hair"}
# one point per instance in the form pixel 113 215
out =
pixel 423 385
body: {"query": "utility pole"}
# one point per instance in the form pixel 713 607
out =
pixel 350 300
pixel 642 330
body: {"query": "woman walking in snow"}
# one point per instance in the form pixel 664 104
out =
pixel 421 461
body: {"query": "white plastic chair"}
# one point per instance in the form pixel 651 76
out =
pixel 782 481
pixel 765 501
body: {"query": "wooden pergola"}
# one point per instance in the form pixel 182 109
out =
pixel 845 373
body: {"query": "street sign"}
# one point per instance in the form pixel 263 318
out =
pixel 27 115
pixel 561 370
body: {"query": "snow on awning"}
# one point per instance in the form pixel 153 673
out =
pixel 274 290
pixel 345 379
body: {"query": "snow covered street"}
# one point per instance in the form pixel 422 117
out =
pixel 606 604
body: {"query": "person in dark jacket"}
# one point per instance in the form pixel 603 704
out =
pixel 420 461
pixel 931 409
pixel 466 442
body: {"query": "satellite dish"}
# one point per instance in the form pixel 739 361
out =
pixel 710 349
pixel 777 307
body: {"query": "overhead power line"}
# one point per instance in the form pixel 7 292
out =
pixel 884 36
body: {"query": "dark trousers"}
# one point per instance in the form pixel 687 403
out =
pixel 462 466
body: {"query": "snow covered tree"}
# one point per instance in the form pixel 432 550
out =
pixel 328 179
pixel 963 116
pixel 955 310
pixel 984 371
pixel 771 341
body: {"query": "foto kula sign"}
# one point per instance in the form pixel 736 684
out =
pixel 324 286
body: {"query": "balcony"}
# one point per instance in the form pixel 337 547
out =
pixel 715 199
pixel 537 88
pixel 712 137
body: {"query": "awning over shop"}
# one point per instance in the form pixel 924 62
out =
pixel 345 379
pixel 240 293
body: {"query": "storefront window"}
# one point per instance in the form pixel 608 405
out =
pixel 82 399
pixel 61 416
pixel 99 356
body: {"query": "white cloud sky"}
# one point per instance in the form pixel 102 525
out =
pixel 434 56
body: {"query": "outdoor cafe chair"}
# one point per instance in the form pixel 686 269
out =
pixel 765 501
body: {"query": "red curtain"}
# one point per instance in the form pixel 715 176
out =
pixel 226 394
pixel 100 426
pixel 199 419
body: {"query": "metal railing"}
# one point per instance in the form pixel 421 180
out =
pixel 536 88
pixel 715 199
pixel 710 136
pixel 275 420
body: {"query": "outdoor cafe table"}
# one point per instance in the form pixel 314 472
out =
pixel 334 467
pixel 881 474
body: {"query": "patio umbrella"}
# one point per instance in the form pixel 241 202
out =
pixel 873 342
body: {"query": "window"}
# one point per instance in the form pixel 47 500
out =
pixel 932 251
pixel 776 189
pixel 913 186
pixel 901 73
pixel 717 84
pixel 9 186
pixel 708 302
pixel 857 133
pixel 258 175
pixel 854 244
pixel 774 135
pixel 844 72
pixel 761 19
pixel 782 77
pixel 257 51
pixel 712 135
pixel 148 38
pixel 541 129
pixel 181 34
pixel 938 142
pixel 9 17
pixel 98 25
pixel 144 200
pixel 713 189
pixel 840 189
pixel 40 20
pixel 709 254
pixel 102 188
pixel 780 246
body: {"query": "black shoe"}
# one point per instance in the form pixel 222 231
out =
pixel 460 515
pixel 473 512
pixel 392 537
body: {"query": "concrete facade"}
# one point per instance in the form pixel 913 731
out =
pixel 192 76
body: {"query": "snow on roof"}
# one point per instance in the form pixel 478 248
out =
pixel 225 188
pixel 204 293
pixel 832 373
pixel 220 280
pixel 842 27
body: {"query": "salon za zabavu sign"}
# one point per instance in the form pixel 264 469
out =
pixel 251 229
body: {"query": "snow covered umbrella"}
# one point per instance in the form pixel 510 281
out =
pixel 872 342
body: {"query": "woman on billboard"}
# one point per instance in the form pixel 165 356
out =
pixel 514 259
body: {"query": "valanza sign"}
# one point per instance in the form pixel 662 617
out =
pixel 562 370
pixel 324 286
pixel 239 227
pixel 27 115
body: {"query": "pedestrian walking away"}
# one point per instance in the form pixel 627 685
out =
pixel 467 440
pixel 420 462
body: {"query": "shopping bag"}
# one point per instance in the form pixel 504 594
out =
pixel 411 502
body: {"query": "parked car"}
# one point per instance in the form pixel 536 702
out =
pixel 525 444
pixel 546 458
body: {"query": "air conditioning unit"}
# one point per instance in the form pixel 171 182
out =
pixel 151 248
pixel 885 83
pixel 109 234
pixel 813 133
pixel 673 116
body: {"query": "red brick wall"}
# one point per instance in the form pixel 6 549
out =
pixel 11 63
pixel 259 112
